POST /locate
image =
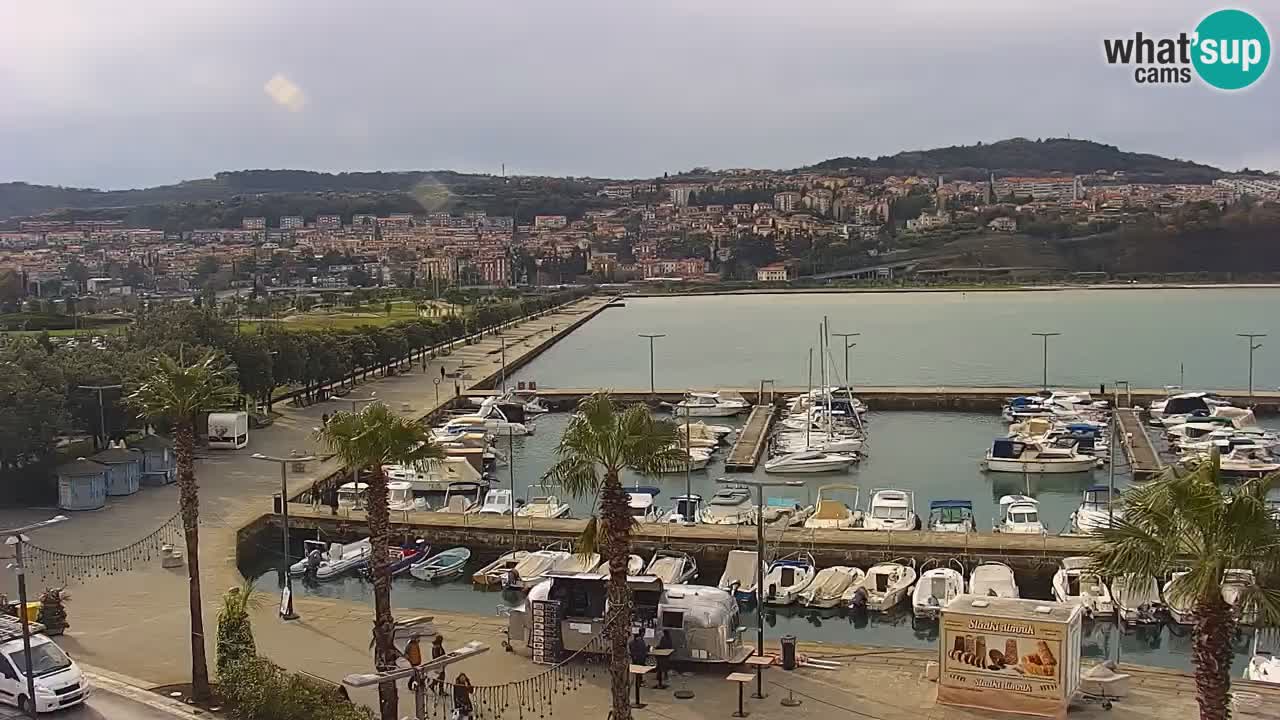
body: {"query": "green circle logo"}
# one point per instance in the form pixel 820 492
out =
pixel 1231 49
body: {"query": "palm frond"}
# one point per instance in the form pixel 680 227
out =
pixel 589 540
pixel 176 391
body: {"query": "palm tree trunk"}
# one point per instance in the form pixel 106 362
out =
pixel 1213 629
pixel 616 547
pixel 384 652
pixel 189 503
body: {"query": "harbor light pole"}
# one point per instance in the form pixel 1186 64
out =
pixel 16 539
pixel 651 337
pixel 102 417
pixel 502 383
pixel 1250 337
pixel 286 600
pixel 847 345
pixel 1044 363
pixel 760 486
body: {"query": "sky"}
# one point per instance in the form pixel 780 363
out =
pixel 134 93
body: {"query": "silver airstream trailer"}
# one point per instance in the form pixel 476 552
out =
pixel 701 621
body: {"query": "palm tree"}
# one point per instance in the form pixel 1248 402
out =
pixel 1191 520
pixel 366 440
pixel 178 392
pixel 602 436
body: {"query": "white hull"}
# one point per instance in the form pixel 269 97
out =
pixel 1041 467
pixel 796 463
pixel 717 411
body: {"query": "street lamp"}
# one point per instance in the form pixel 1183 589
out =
pixel 1044 366
pixel 651 337
pixel 503 382
pixel 102 421
pixel 360 680
pixel 847 345
pixel 16 539
pixel 286 600
pixel 1250 337
pixel 760 486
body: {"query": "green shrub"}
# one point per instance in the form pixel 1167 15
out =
pixel 255 688
pixel 235 633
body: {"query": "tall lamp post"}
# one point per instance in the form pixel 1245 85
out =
pixel 651 337
pixel 847 345
pixel 760 486
pixel 102 417
pixel 1044 363
pixel 1250 337
pixel 286 600
pixel 16 539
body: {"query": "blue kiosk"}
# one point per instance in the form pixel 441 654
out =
pixel 82 485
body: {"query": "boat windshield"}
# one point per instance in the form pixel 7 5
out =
pixel 889 513
pixel 1024 517
pixel 46 658
pixel 951 515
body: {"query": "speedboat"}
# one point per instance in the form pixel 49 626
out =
pixel 810 461
pixel 543 506
pixel 442 566
pixel 993 579
pixel 1074 583
pixel 434 476
pixel 784 512
pixel 833 514
pixel 787 577
pixel 351 496
pixel 400 497
pixel 1136 598
pixel 936 588
pixel 1036 457
pixel 729 506
pixel 495 573
pixel 496 502
pixel 741 571
pixel 533 567
pixel 952 516
pixel 1263 667
pixel 672 567
pixel 462 498
pixel 642 501
pixel 704 404
pixel 685 509
pixel 829 586
pixel 1095 510
pixel 891 509
pixel 1248 461
pixel 1019 514
pixel 700 434
pixel 1175 409
pixel 885 585
pixel 1179 607
pixel 698 460
pixel 578 563
pixel 325 561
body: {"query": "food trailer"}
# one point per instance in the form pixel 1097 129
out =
pixel 1009 655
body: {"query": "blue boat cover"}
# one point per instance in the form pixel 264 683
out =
pixel 936 504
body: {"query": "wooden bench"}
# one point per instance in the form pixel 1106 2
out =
pixel 741 678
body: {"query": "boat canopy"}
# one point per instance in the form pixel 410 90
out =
pixel 731 496
pixel 939 504
pixel 1006 448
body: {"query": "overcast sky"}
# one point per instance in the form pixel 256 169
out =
pixel 133 93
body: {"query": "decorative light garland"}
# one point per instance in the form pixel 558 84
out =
pixel 61 566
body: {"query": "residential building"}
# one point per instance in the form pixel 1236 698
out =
pixel 1265 188
pixel 1003 224
pixel 254 223
pixel 786 201
pixel 777 272
pixel 1040 188
pixel 329 221
pixel 680 194
pixel 291 222
pixel 549 222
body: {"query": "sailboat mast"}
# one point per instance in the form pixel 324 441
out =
pixel 809 409
pixel 826 342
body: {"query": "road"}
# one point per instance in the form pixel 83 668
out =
pixel 102 705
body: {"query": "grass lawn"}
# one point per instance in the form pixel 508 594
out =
pixel 344 320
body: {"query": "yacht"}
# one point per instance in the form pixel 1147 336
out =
pixel 1019 514
pixel 810 461
pixel 741 571
pixel 833 514
pixel 829 586
pixel 496 502
pixel 1175 409
pixel 937 587
pixel 730 505
pixel 1136 599
pixel 1096 510
pixel 1249 461
pixel 787 577
pixel 884 586
pixel 499 419
pixel 891 509
pixel 794 441
pixel 1263 667
pixel 672 567
pixel 1075 583
pixel 434 476
pixel 579 563
pixel 1036 457
pixel 703 404
pixel 952 516
pixel 993 579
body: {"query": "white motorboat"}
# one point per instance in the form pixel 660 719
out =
pixel 1019 514
pixel 1179 607
pixel 741 571
pixel 1095 511
pixel 833 514
pixel 810 461
pixel 709 404
pixel 1074 583
pixel 434 476
pixel 672 567
pixel 700 434
pixel 1263 667
pixel 533 567
pixel 542 506
pixel 884 586
pixel 351 496
pixel 1136 599
pixel 731 505
pixel 400 497
pixel 1234 584
pixel 491 416
pixel 891 509
pixel 685 509
pixel 788 442
pixel 993 579
pixel 787 577
pixel 1036 457
pixel 952 516
pixel 495 573
pixel 829 586
pixel 936 588
pixel 462 498
pixel 635 565
pixel 578 563
pixel 1248 461
pixel 442 566
pixel 784 512
pixel 496 502
pixel 698 460
pixel 1175 409
pixel 325 561
pixel 642 501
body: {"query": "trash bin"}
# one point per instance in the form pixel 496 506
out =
pixel 788 652
pixel 275 503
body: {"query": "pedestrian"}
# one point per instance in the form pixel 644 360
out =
pixel 639 651
pixel 316 495
pixel 442 372
pixel 437 676
pixel 462 698
pixel 324 419
pixel 664 643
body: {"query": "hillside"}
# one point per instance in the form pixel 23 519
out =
pixel 1020 156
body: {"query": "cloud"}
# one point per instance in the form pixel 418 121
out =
pixel 285 93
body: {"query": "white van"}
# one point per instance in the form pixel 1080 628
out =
pixel 59 682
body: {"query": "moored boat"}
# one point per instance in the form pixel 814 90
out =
pixel 495 573
pixel 810 461
pixel 952 516
pixel 442 566
pixel 787 577
pixel 936 587
pixel 993 579
pixel 672 567
pixel 325 561
pixel 1075 583
pixel 829 586
pixel 884 586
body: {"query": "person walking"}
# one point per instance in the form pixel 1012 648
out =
pixel 437 676
pixel 462 709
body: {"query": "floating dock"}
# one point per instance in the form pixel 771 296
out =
pixel 746 450
pixel 1138 448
